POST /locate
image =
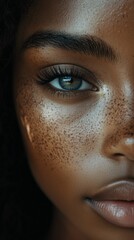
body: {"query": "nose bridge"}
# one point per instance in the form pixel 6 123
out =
pixel 119 138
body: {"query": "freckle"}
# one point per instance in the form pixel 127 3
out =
pixel 52 169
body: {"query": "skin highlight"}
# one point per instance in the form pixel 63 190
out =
pixel 79 143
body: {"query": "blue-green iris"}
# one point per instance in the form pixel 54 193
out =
pixel 70 83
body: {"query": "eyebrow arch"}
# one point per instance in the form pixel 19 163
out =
pixel 87 44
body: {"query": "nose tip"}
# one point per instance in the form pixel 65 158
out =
pixel 123 149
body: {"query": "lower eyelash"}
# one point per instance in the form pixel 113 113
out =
pixel 70 95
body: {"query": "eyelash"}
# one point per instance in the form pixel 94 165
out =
pixel 49 74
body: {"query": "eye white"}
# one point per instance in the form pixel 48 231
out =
pixel 84 86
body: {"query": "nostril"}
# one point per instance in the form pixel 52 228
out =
pixel 118 155
pixel 121 149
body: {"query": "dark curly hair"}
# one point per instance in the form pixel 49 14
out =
pixel 25 213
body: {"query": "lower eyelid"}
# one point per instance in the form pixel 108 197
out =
pixel 63 94
pixel 77 96
pixel 68 95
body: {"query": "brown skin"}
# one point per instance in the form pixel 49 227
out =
pixel 71 142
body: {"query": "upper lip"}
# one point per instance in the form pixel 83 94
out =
pixel 117 191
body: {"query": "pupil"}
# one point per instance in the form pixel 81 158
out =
pixel 70 83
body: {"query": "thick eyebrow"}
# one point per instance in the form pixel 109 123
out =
pixel 86 44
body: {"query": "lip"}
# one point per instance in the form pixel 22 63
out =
pixel 115 203
pixel 121 190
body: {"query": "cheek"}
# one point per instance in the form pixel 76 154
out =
pixel 57 134
pixel 62 141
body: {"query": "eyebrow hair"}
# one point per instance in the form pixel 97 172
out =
pixel 87 44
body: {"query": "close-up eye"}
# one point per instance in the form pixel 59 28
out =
pixel 68 78
pixel 67 83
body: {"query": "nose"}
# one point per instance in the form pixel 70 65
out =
pixel 123 149
pixel 120 144
pixel 118 141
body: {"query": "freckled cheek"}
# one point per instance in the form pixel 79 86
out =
pixel 49 153
pixel 59 138
pixel 61 144
pixel 48 140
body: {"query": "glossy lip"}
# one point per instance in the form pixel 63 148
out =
pixel 115 203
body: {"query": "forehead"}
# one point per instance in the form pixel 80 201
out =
pixel 110 20
pixel 79 16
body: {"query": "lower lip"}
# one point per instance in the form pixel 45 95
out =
pixel 120 213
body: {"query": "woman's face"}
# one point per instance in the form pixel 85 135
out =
pixel 78 128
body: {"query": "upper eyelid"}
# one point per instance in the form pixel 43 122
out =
pixel 84 71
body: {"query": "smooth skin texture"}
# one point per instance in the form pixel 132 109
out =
pixel 78 143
